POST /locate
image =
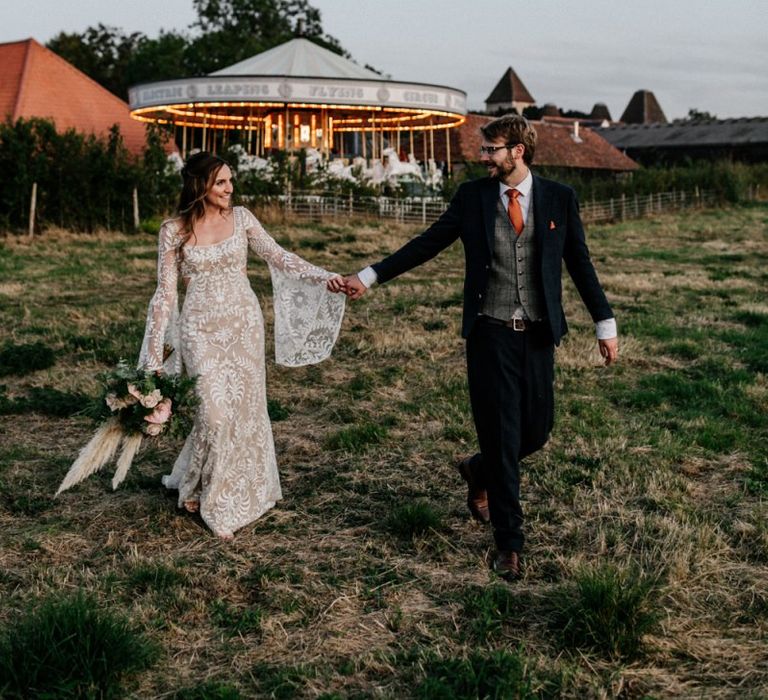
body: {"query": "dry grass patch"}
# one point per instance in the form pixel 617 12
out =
pixel 656 465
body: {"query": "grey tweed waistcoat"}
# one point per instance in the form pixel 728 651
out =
pixel 514 283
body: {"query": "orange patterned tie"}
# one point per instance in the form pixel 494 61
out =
pixel 514 211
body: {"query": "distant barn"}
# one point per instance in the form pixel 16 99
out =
pixel 744 140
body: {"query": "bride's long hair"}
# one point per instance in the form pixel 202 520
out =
pixel 199 174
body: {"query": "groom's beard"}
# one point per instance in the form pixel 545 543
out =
pixel 501 171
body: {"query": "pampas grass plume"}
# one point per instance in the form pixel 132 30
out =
pixel 100 449
pixel 131 445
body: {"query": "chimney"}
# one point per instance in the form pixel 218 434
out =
pixel 575 135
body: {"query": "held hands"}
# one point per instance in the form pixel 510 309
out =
pixel 349 284
pixel 609 349
pixel 354 288
pixel 336 284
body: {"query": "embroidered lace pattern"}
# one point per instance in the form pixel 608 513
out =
pixel 228 460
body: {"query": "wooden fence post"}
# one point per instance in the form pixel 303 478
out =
pixel 135 209
pixel 32 210
pixel 288 201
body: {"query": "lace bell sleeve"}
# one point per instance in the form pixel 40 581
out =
pixel 307 316
pixel 162 328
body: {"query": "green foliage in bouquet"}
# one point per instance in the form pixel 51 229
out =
pixel 147 403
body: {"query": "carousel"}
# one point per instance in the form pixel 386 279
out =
pixel 297 96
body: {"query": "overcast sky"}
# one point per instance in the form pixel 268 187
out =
pixel 706 54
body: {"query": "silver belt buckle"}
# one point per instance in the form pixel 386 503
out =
pixel 518 324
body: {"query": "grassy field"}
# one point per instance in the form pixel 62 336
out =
pixel 646 571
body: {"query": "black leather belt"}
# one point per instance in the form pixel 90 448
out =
pixel 516 324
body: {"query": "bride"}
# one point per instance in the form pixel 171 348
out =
pixel 227 468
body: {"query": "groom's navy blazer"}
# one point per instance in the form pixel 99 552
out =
pixel 471 216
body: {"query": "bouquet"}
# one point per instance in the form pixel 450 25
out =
pixel 134 404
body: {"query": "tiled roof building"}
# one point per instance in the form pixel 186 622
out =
pixel 643 108
pixel 509 94
pixel 561 143
pixel 35 82
pixel 575 146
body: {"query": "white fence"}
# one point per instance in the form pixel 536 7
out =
pixel 315 206
pixel 638 206
pixel 424 210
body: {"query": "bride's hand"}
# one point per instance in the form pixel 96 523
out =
pixel 336 284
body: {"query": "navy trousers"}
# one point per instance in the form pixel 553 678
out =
pixel 511 375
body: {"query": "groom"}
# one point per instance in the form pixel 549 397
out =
pixel 517 229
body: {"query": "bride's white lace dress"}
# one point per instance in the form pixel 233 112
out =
pixel 228 460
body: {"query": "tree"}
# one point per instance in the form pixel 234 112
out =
pixel 163 58
pixel 233 30
pixel 270 22
pixel 695 116
pixel 226 31
pixel 575 114
pixel 103 53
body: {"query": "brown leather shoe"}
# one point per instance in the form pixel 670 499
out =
pixel 477 498
pixel 507 565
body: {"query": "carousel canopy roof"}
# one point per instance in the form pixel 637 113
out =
pixel 299 58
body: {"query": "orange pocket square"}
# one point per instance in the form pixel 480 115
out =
pixel 552 225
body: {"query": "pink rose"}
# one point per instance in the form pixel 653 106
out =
pixel 161 413
pixel 147 400
pixel 152 399
pixel 153 429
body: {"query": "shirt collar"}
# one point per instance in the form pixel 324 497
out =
pixel 524 187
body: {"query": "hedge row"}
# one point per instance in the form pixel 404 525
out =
pixel 83 182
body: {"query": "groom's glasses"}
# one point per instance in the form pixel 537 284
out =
pixel 490 150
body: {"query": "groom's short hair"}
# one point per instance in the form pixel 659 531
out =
pixel 513 129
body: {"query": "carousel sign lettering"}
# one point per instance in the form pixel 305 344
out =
pixel 335 92
pixel 161 93
pixel 267 88
pixel 420 97
pixel 235 90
